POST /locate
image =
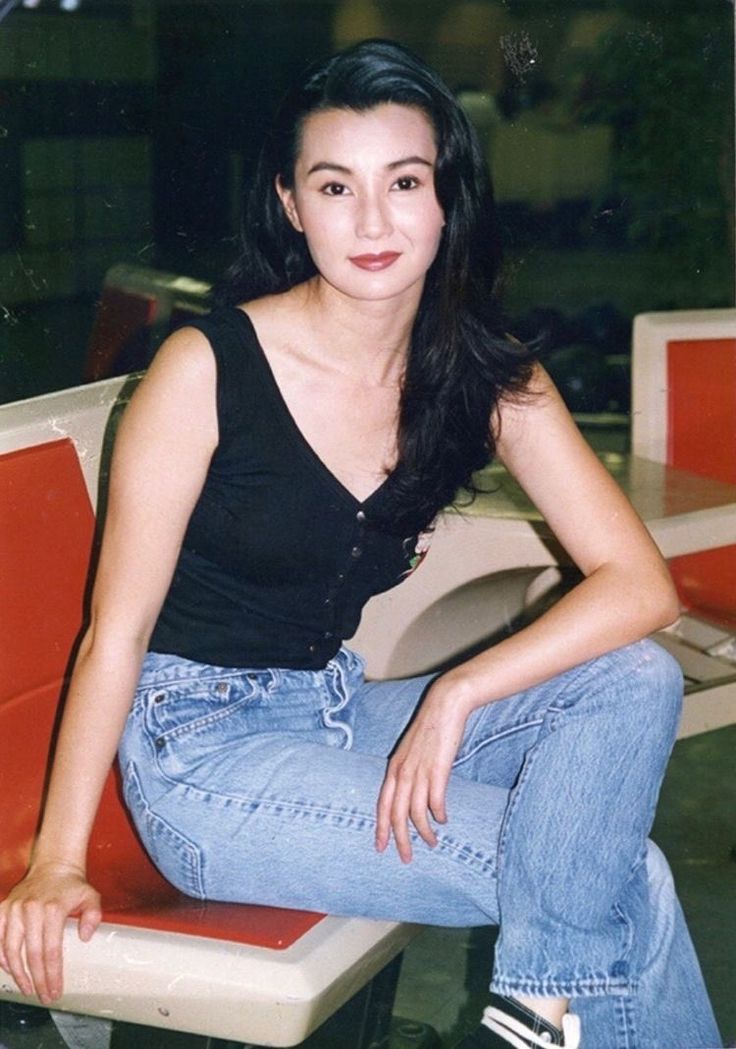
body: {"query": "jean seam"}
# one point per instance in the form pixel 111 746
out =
pixel 482 864
pixel 576 987
pixel 488 740
pixel 191 855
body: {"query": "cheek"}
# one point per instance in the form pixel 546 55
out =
pixel 433 223
pixel 325 228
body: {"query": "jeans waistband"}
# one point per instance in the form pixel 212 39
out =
pixel 165 668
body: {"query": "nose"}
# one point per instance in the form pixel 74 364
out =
pixel 373 218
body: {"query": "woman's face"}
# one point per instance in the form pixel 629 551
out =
pixel 364 198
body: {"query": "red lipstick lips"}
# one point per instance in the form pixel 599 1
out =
pixel 375 262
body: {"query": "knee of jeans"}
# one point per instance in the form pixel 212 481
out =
pixel 660 680
pixel 650 678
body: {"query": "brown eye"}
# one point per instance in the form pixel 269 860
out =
pixel 407 182
pixel 335 189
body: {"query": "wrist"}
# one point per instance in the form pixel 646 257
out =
pixel 456 691
pixel 52 859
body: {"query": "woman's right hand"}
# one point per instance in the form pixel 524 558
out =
pixel 32 919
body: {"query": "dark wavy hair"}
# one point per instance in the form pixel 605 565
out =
pixel 459 361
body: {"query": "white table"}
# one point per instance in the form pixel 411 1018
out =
pixel 487 560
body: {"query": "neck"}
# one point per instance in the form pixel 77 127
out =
pixel 367 339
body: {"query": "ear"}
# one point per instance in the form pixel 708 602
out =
pixel 286 196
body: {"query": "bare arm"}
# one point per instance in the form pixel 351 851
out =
pixel 162 452
pixel 625 594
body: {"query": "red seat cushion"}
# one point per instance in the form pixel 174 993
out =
pixel 701 431
pixel 46 537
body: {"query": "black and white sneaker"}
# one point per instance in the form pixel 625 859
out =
pixel 508 1023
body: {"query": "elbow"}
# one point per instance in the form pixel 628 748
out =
pixel 110 640
pixel 663 604
pixel 671 613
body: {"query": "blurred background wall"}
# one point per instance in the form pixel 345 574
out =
pixel 128 129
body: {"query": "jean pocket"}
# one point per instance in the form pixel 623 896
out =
pixel 186 707
pixel 177 857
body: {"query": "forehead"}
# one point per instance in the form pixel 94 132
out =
pixel 372 136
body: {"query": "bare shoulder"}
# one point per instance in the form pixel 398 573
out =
pixel 175 404
pixel 541 445
pixel 535 415
pixel 186 356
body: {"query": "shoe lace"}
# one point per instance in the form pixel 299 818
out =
pixel 520 1036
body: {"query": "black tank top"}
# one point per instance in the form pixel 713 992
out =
pixel 279 557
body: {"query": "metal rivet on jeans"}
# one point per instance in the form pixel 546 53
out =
pixel 160 743
pixel 159 697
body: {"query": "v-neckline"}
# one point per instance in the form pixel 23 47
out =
pixel 298 438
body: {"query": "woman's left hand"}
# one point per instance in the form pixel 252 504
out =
pixel 415 785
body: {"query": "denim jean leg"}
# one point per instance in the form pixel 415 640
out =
pixel 664 1004
pixel 243 788
pixel 577 824
pixel 671 1008
pixel 262 788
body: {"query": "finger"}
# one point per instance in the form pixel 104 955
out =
pixel 34 916
pixel 14 939
pixel 419 810
pixel 3 926
pixel 400 819
pixel 53 933
pixel 438 798
pixel 383 813
pixel 90 918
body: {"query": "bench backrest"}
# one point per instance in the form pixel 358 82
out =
pixel 47 527
pixel 684 414
pixel 46 536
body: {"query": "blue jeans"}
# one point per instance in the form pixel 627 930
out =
pixel 260 786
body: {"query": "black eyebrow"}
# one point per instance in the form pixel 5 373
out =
pixel 327 165
pixel 410 160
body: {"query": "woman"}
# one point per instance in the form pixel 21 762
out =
pixel 282 461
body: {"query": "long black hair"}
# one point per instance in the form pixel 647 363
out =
pixel 459 362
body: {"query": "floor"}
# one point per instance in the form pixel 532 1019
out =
pixel 445 971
